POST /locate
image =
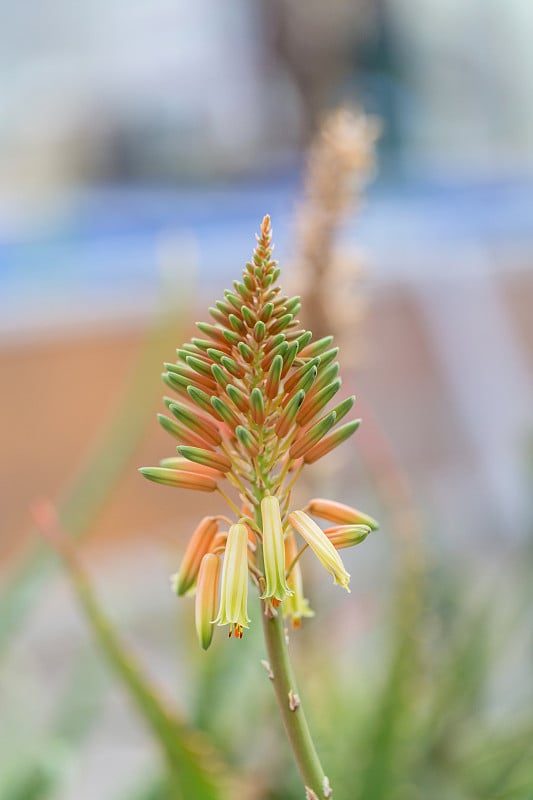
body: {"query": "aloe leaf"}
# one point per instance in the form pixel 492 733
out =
pixel 39 776
pixel 194 768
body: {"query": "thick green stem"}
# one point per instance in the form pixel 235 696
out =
pixel 292 713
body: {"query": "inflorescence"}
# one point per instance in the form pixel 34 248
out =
pixel 253 409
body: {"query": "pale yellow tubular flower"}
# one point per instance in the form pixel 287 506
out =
pixel 206 598
pixel 295 606
pixel 321 546
pixel 234 592
pixel 273 550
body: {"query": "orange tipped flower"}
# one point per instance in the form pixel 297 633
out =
pixel 339 513
pixel 321 546
pixel 329 443
pixel 179 478
pixel 198 424
pixel 199 544
pixel 207 458
pixel 183 464
pixel 253 405
pixel 347 535
pixel 206 598
pixel 313 435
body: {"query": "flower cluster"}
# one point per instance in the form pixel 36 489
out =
pixel 253 407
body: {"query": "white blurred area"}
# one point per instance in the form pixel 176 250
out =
pixel 126 89
pixel 169 89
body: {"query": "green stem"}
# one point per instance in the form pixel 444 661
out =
pixel 291 709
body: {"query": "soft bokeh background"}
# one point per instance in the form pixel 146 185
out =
pixel 140 145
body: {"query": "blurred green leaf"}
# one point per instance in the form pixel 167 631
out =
pixel 39 777
pixel 195 769
pixel 151 788
pixel 393 714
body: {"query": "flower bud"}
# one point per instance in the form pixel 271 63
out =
pixel 274 375
pixel 312 436
pixel 237 397
pixel 329 443
pixel 206 598
pixel 315 348
pixel 200 425
pixel 257 406
pixel 179 478
pixel 208 458
pixel 180 463
pixel 314 403
pixel 347 535
pixel 181 433
pixel 199 544
pixel 289 413
pixel 340 513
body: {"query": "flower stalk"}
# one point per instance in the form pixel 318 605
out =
pixel 253 411
pixel 291 708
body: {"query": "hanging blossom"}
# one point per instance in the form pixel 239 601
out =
pixel 253 407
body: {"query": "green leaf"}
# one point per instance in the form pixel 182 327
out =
pixel 195 769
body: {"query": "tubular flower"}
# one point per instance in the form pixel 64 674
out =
pixel 234 591
pixel 321 546
pixel 253 403
pixel 347 535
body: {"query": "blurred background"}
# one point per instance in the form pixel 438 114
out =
pixel 140 146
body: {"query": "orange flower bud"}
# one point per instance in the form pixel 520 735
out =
pixel 207 458
pixel 207 598
pixel 179 478
pixel 347 535
pixel 200 425
pixel 330 442
pixel 199 544
pixel 312 436
pixel 339 513
pixel 179 463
